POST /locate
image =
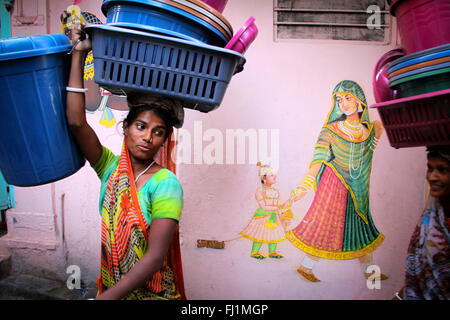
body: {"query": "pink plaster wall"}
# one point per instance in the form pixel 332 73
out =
pixel 285 86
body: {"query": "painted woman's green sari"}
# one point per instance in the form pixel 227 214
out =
pixel 339 225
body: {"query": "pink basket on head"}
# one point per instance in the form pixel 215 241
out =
pixel 244 37
pixel 422 24
pixel 421 120
pixel 219 5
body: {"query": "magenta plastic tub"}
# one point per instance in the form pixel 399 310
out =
pixel 244 37
pixel 219 5
pixel 380 81
pixel 421 120
pixel 422 24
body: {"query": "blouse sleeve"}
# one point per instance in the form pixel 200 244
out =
pixel 106 160
pixel 167 199
pixel 322 150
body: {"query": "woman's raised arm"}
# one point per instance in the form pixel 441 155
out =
pixel 76 115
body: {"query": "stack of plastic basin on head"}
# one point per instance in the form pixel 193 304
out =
pixel 36 146
pixel 421 72
pixel 424 28
pixel 186 19
pixel 422 24
pixel 173 48
pixel 412 84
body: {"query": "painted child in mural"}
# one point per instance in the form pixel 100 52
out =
pixel 338 224
pixel 268 222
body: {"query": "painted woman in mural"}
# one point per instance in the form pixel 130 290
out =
pixel 338 224
pixel 267 222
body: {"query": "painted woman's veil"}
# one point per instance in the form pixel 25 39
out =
pixel 348 86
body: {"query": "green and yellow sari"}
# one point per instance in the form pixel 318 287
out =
pixel 339 225
pixel 126 215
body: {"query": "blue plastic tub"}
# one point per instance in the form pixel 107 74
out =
pixel 127 61
pixel 418 59
pixel 155 30
pixel 419 54
pixel 36 146
pixel 161 17
pixel 420 70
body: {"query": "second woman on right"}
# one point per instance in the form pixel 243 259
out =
pixel 338 224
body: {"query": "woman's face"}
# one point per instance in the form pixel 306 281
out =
pixel 438 176
pixel 347 102
pixel 145 135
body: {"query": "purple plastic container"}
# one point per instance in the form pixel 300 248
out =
pixel 244 37
pixel 422 24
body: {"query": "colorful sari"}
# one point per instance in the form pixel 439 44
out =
pixel 428 261
pixel 126 220
pixel 338 225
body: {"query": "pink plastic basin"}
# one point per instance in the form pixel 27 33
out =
pixel 219 5
pixel 422 24
pixel 380 81
pixel 244 37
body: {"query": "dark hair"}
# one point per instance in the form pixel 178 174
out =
pixel 135 111
pixel 439 151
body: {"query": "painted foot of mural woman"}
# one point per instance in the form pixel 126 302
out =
pixel 338 225
pixel 268 222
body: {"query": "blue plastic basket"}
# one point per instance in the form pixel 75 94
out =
pixel 162 18
pixel 36 146
pixel 128 61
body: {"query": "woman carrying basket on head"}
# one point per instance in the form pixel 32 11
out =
pixel 140 202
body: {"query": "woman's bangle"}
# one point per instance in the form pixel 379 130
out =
pixel 82 90
pixel 308 183
pixel 398 296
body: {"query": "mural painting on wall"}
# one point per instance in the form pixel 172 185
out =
pixel 269 220
pixel 338 224
pixel 97 99
pixel 268 223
